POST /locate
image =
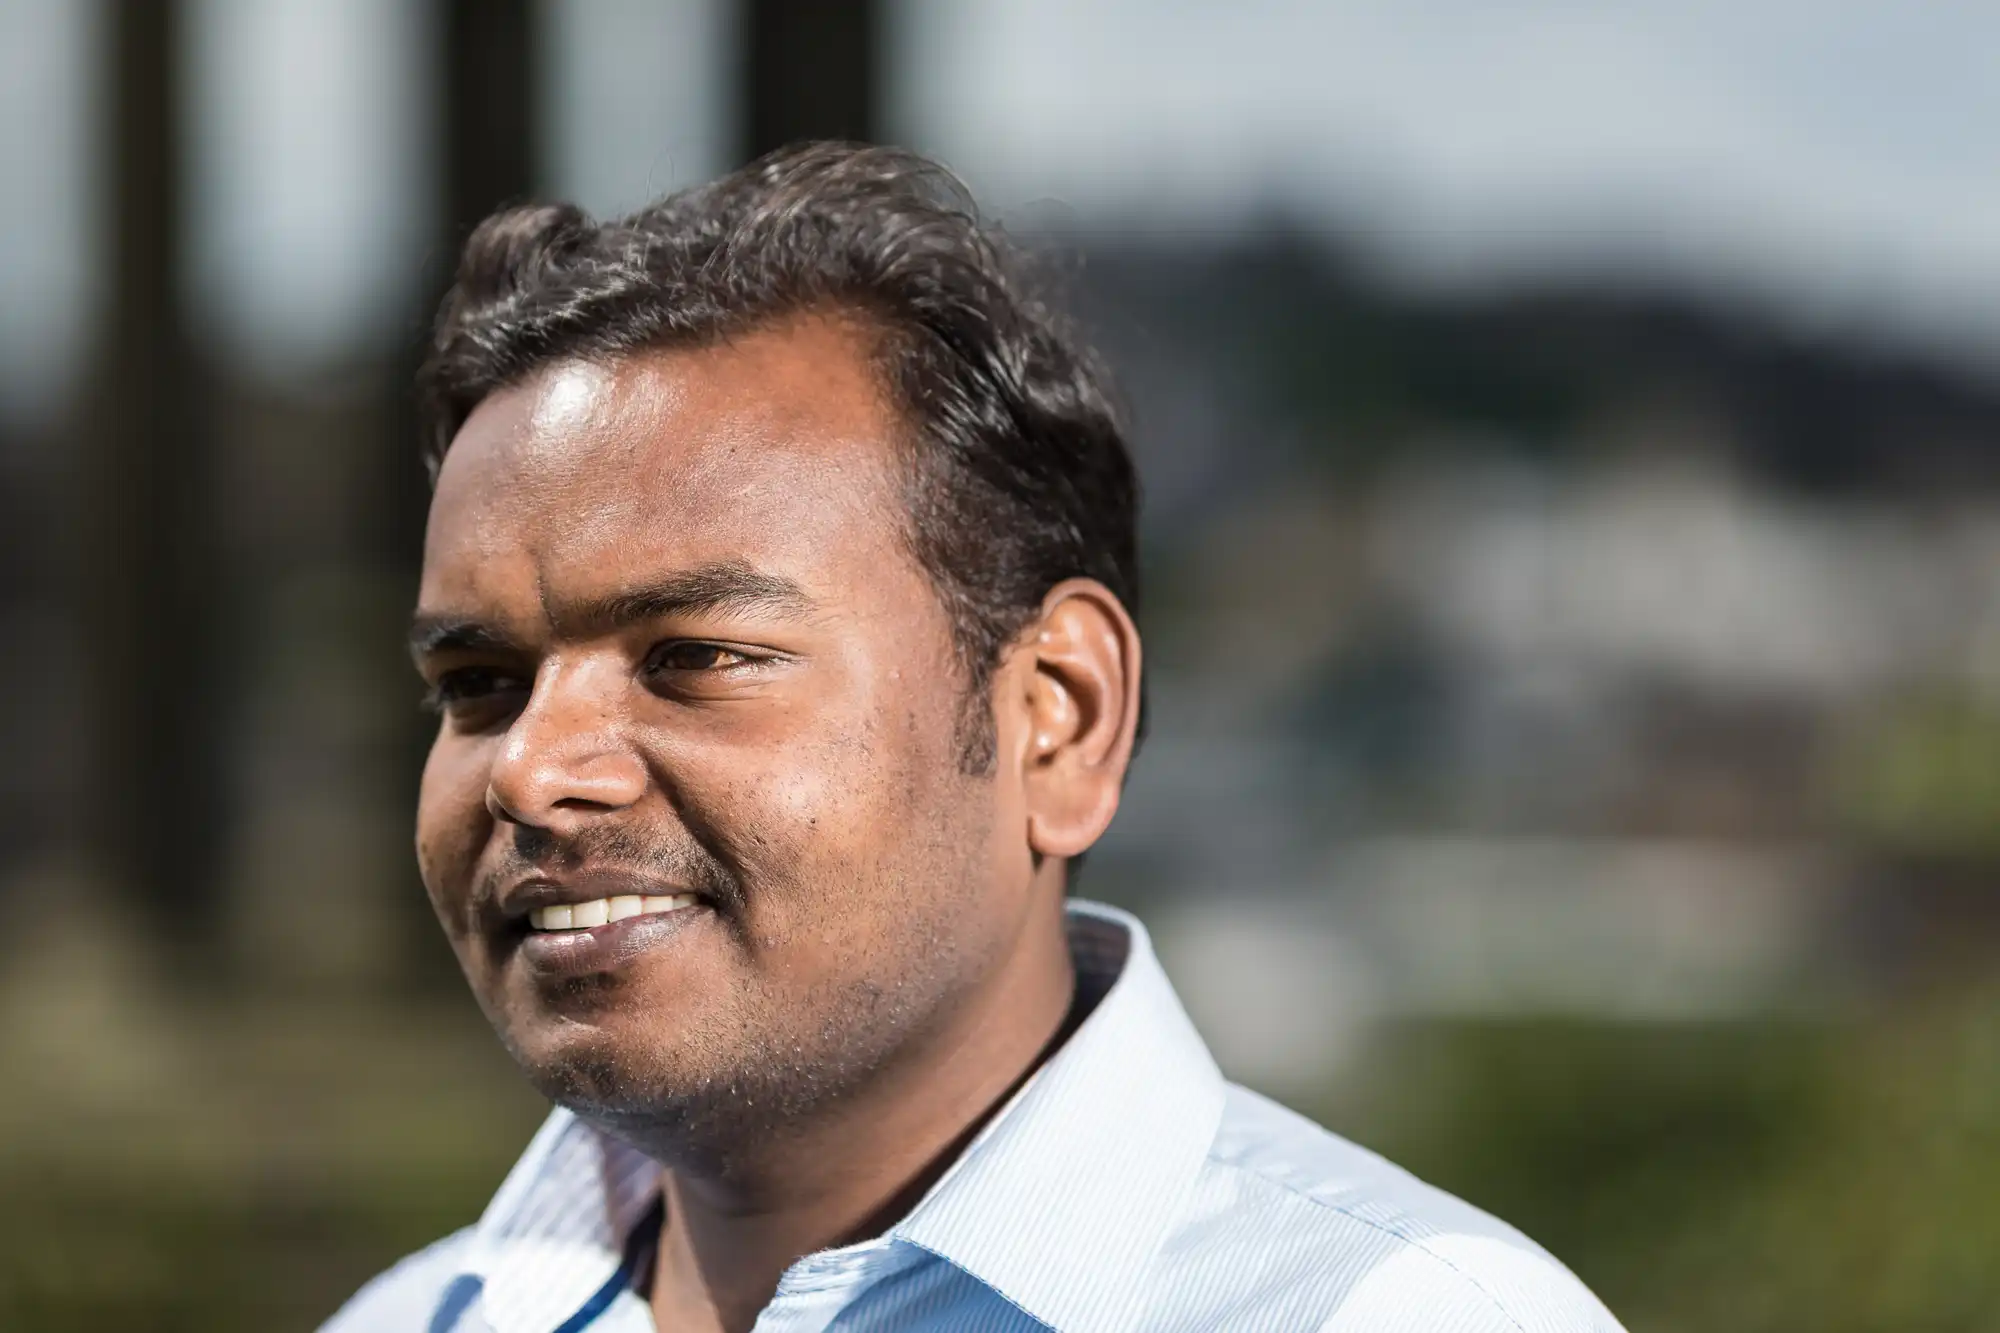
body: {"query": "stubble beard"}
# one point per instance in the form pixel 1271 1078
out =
pixel 713 1097
pixel 717 1100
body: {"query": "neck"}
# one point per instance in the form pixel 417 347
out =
pixel 861 1164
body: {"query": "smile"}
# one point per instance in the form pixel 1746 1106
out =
pixel 604 935
pixel 603 911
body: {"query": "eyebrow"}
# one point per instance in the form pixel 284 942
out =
pixel 430 634
pixel 723 586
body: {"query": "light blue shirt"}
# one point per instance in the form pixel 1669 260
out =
pixel 1125 1187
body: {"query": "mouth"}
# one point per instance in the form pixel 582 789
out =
pixel 557 932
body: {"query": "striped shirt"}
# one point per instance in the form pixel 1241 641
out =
pixel 1125 1187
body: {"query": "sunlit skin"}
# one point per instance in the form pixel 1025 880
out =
pixel 679 645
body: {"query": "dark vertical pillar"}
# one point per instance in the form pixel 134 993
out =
pixel 810 71
pixel 491 93
pixel 153 808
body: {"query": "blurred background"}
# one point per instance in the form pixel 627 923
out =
pixel 1573 441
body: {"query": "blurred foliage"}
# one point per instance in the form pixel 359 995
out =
pixel 240 1160
pixel 1740 1178
pixel 1922 777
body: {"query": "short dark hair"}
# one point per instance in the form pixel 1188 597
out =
pixel 1018 475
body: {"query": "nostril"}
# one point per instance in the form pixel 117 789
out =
pixel 582 804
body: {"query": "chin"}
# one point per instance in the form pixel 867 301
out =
pixel 589 1069
pixel 615 1059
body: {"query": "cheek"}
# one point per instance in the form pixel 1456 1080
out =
pixel 800 816
pixel 452 825
pixel 809 820
pixel 871 822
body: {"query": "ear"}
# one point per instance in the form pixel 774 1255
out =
pixel 1074 679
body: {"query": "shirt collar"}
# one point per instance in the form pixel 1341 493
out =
pixel 554 1234
pixel 1058 1205
pixel 1062 1202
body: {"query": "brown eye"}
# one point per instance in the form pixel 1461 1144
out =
pixel 691 656
pixel 468 687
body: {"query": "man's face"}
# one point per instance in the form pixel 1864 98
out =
pixel 686 665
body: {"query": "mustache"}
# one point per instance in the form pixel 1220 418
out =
pixel 683 861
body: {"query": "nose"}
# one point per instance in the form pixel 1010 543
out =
pixel 565 760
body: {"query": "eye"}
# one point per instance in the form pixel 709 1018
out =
pixel 691 655
pixel 464 687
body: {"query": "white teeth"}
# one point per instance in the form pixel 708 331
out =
pixel 602 911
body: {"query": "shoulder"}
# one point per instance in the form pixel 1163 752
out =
pixel 409 1296
pixel 1292 1226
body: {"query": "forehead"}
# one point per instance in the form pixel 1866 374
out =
pixel 775 448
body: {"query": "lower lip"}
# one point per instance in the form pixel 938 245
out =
pixel 575 953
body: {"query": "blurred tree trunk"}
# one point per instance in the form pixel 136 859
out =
pixel 152 810
pixel 811 70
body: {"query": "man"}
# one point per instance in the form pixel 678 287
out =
pixel 777 602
